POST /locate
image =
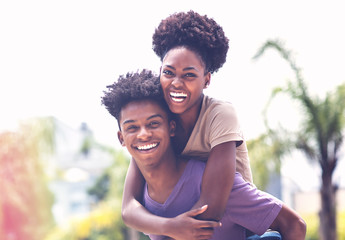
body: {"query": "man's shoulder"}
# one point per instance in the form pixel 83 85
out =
pixel 195 166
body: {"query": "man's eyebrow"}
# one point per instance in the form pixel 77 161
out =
pixel 128 121
pixel 150 117
pixel 154 116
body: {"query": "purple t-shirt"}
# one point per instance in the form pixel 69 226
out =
pixel 247 207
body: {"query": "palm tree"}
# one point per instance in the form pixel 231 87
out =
pixel 321 136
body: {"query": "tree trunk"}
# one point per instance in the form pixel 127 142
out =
pixel 328 208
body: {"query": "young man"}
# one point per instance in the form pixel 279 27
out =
pixel 173 185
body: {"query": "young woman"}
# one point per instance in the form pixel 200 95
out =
pixel 191 48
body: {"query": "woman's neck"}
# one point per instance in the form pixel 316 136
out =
pixel 188 119
pixel 185 125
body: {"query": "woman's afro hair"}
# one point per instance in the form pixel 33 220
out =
pixel 196 32
pixel 132 87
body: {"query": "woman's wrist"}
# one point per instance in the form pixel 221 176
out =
pixel 165 227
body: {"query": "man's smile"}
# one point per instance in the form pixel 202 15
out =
pixel 147 147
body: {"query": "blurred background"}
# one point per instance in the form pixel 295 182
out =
pixel 61 166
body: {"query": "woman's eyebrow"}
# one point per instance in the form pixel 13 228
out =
pixel 169 66
pixel 185 69
pixel 190 68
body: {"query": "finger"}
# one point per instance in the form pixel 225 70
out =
pixel 206 224
pixel 197 211
pixel 209 224
pixel 205 236
pixel 204 233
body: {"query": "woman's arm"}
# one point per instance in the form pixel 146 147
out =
pixel 217 181
pixel 289 224
pixel 135 215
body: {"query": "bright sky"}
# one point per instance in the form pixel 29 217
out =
pixel 56 57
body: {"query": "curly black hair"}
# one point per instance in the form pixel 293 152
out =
pixel 132 87
pixel 195 32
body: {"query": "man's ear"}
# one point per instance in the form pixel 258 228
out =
pixel 172 128
pixel 120 137
pixel 207 80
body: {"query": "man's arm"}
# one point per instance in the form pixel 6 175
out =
pixel 218 180
pixel 289 224
pixel 136 216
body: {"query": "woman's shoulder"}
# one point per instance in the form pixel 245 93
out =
pixel 213 107
pixel 212 103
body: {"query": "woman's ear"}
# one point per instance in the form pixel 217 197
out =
pixel 172 128
pixel 207 80
pixel 120 137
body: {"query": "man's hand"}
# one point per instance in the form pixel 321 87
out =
pixel 185 226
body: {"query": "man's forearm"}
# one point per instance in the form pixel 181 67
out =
pixel 136 216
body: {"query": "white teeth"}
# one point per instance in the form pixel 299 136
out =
pixel 177 99
pixel 147 147
pixel 178 96
pixel 175 94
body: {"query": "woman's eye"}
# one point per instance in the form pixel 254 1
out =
pixel 167 72
pixel 189 75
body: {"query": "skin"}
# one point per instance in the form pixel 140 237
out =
pixel 183 72
pixel 289 224
pixel 145 132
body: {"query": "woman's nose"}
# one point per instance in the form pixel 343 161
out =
pixel 177 82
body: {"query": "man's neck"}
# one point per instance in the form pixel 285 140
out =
pixel 162 179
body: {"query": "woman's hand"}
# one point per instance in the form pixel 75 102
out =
pixel 185 226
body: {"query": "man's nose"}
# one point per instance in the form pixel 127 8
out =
pixel 144 134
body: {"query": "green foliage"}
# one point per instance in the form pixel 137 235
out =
pixel 321 133
pixel 101 188
pixel 25 200
pixel 118 174
pixel 104 222
pixel 341 225
pixel 265 154
pixel 262 160
pixel 313 222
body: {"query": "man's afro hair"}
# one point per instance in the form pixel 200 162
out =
pixel 199 33
pixel 131 87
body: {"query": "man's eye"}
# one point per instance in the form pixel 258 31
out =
pixel 131 128
pixel 154 124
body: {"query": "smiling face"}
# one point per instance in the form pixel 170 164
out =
pixel 146 132
pixel 183 79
